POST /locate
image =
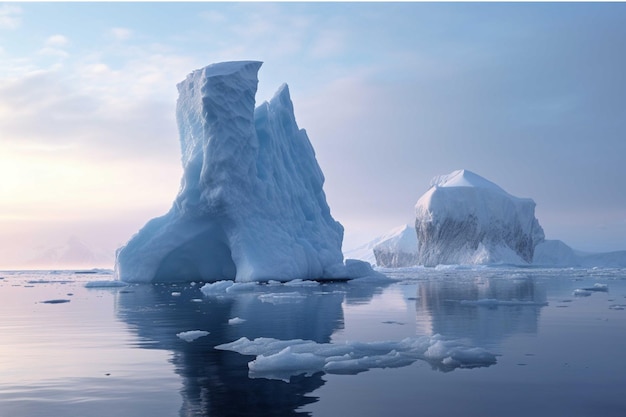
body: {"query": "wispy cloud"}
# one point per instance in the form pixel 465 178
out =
pixel 213 16
pixel 120 34
pixel 56 41
pixel 10 16
pixel 328 44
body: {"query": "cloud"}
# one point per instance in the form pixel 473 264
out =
pixel 10 16
pixel 95 111
pixel 328 44
pixel 121 34
pixel 213 16
pixel 56 41
pixel 53 52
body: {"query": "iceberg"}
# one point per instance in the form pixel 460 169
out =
pixel 251 206
pixel 555 253
pixel 465 219
pixel 397 249
pixel 394 249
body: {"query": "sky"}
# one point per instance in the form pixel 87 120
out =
pixel 531 96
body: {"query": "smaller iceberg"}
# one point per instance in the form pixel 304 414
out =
pixel 466 219
pixel 397 249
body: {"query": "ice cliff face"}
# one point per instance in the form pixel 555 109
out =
pixel 466 219
pixel 251 205
pixel 397 249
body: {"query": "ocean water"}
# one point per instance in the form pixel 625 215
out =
pixel 558 337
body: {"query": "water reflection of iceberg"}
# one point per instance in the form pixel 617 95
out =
pixel 231 370
pixel 216 382
pixel 483 310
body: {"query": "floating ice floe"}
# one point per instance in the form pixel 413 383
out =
pixel 281 359
pixel 227 287
pixel 216 288
pixel 597 287
pixel 579 292
pixel 301 283
pixel 191 335
pixel 236 320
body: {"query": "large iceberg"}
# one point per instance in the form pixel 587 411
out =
pixel 465 219
pixel 251 205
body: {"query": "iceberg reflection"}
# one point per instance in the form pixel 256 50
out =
pixel 483 310
pixel 216 382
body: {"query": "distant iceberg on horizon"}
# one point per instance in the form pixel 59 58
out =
pixel 251 206
pixel 555 253
pixel 465 219
pixel 397 249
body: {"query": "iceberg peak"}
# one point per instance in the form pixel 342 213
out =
pixel 464 178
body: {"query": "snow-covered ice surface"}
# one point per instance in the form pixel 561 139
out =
pixel 251 206
pixel 451 340
pixel 464 218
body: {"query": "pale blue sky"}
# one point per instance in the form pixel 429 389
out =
pixel 531 96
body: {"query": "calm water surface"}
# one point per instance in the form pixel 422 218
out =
pixel 67 350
